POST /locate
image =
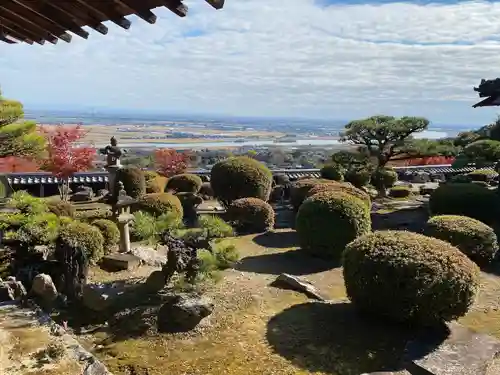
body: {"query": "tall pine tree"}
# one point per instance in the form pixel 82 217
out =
pixel 18 137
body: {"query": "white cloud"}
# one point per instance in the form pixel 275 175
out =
pixel 285 57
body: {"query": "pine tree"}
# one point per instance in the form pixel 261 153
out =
pixel 18 137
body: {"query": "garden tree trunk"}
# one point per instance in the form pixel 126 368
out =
pixel 64 189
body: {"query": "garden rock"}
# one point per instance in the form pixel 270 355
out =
pixel 420 178
pixel 6 293
pixel 150 256
pixel 102 192
pixel 294 283
pixel 11 290
pixel 183 313
pixel 155 282
pixel 83 194
pixel 120 262
pixel 100 297
pixel 44 287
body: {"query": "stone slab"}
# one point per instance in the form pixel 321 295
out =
pixel 463 352
pixel 120 262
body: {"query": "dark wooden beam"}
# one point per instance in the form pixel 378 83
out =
pixel 52 15
pixel 18 32
pixel 106 12
pixel 43 24
pixel 81 19
pixel 27 25
pixel 5 39
pixel 217 4
pixel 135 7
pixel 177 7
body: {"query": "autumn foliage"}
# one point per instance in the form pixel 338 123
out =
pixel 14 164
pixel 64 157
pixel 169 162
pixel 431 160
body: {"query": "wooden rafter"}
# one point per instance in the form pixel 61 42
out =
pixel 50 20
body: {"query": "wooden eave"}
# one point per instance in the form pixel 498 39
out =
pixel 40 21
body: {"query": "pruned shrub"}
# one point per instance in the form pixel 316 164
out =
pixel 160 203
pixel 328 221
pixel 206 191
pixel 133 181
pixel 472 237
pixel 482 175
pixel 281 179
pixel 300 189
pixel 84 237
pixel 40 229
pixel 427 190
pixel 409 277
pixel 240 177
pixel 184 183
pixel 358 177
pixel 154 182
pixel 465 200
pixel 332 172
pixel 341 188
pixel 90 215
pixel 251 215
pixel 26 203
pixel 460 179
pixel 384 178
pixel 61 208
pixel 109 231
pixel 400 192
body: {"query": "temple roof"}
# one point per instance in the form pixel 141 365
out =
pixel 37 21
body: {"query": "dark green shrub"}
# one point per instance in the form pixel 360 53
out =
pixel 40 229
pixel 474 238
pixel 399 192
pixel 409 277
pixel 465 200
pixel 482 175
pixel 281 179
pixel 427 190
pixel 300 189
pixel 240 177
pixel 159 204
pixel 84 237
pixel 277 193
pixel 206 191
pixel 358 177
pixel 328 221
pixel 61 208
pixel 109 231
pixel 184 183
pixel 384 178
pixel 341 188
pixel 154 182
pixel 332 172
pixel 133 181
pixel 251 215
pixel 460 179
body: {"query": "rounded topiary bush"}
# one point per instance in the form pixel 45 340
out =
pixel 160 203
pixel 154 182
pixel 409 277
pixel 358 177
pixel 84 237
pixel 61 208
pixel 341 188
pixel 109 231
pixel 184 183
pixel 466 200
pixel 328 221
pixel 251 215
pixel 133 181
pixel 240 177
pixel 384 178
pixel 300 189
pixel 332 172
pixel 474 238
pixel 482 175
pixel 399 192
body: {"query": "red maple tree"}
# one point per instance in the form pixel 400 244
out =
pixel 64 157
pixel 431 160
pixel 13 164
pixel 169 162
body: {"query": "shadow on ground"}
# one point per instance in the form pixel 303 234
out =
pixel 412 219
pixel 334 339
pixel 277 240
pixel 294 262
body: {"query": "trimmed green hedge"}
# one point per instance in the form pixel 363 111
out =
pixel 109 231
pixel 251 215
pixel 158 204
pixel 408 277
pixel 399 192
pixel 328 221
pixel 332 172
pixel 133 181
pixel 184 183
pixel 84 237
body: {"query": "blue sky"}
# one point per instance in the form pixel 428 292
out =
pixel 307 58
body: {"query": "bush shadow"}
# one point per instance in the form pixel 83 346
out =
pixel 335 339
pixel 293 262
pixel 277 240
pixel 410 219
